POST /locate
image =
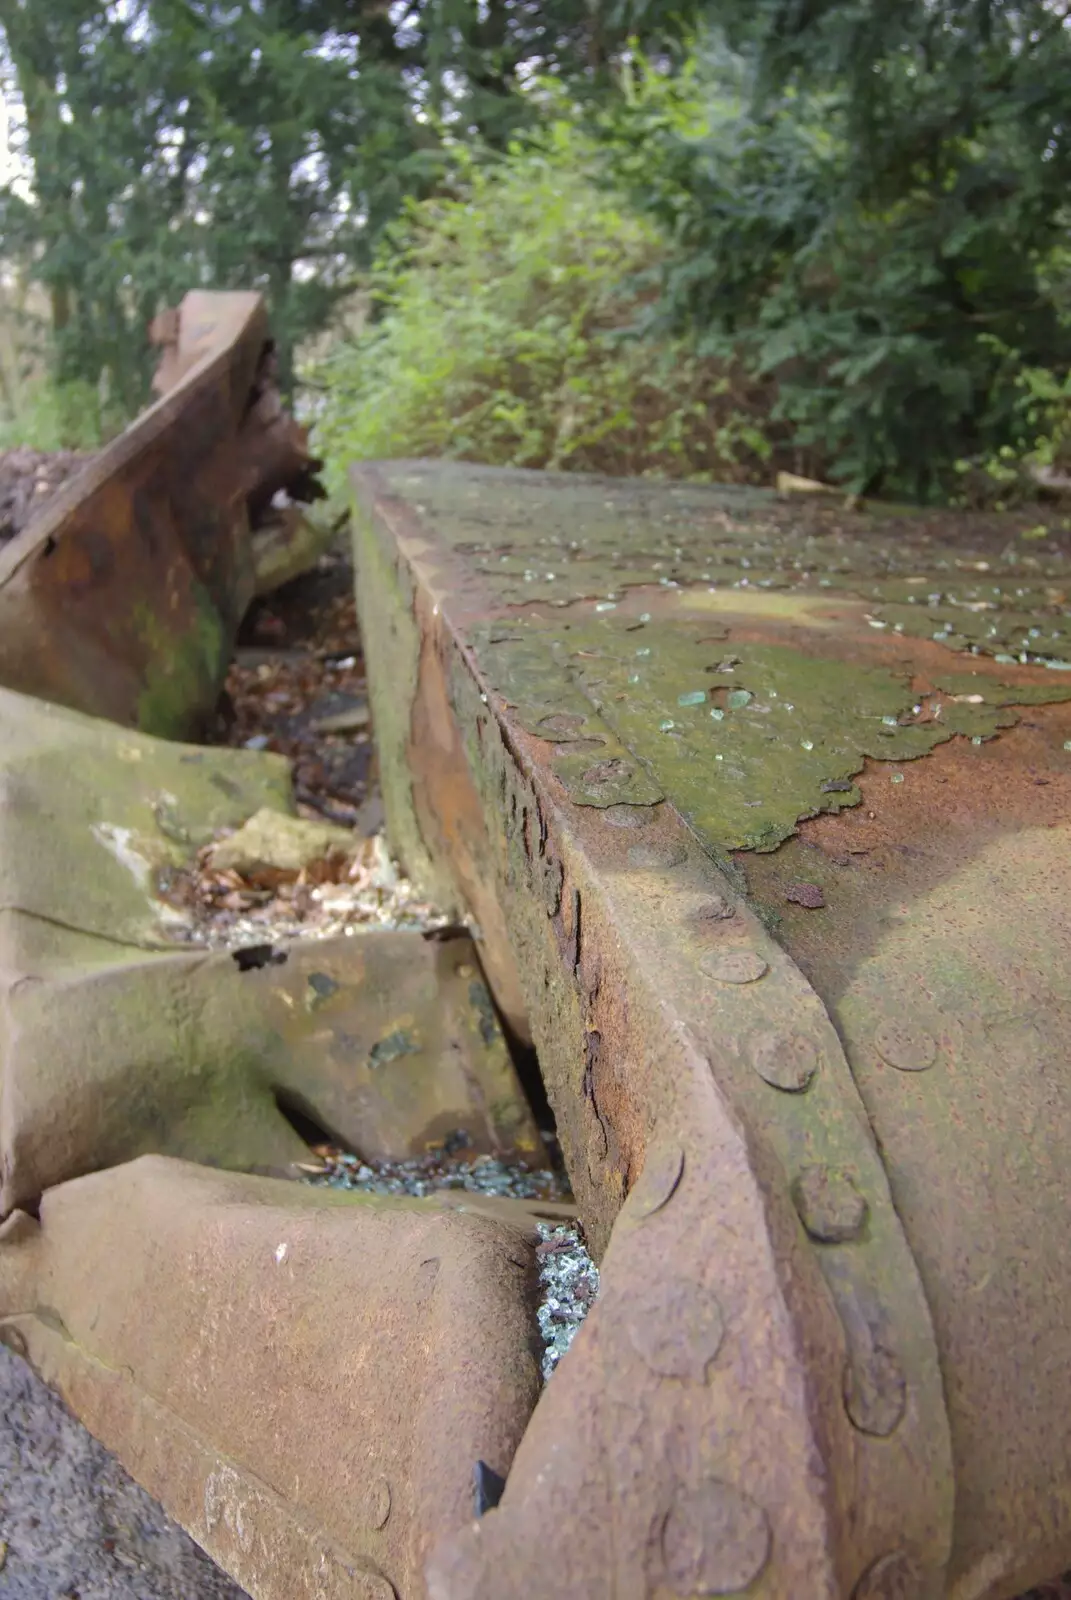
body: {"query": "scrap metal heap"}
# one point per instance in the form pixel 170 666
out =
pixel 758 816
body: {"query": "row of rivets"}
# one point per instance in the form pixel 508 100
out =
pixel 717 1540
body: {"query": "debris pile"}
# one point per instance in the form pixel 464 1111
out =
pixel 568 1283
pixel 28 480
pixel 297 687
pixel 326 871
pixel 436 1172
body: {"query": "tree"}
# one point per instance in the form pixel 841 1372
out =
pixel 261 143
pixel 869 201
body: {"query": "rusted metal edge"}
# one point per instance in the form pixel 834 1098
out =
pixel 226 347
pixel 706 1111
pixel 122 598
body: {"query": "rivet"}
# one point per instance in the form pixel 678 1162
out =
pixel 905 1046
pixel 579 747
pixel 561 722
pixel 875 1390
pixel 786 1061
pixel 677 1328
pixel 662 1169
pixel 377 1501
pixel 657 855
pixel 715 1540
pixel 716 909
pixel 892 1577
pixel 830 1206
pixel 734 966
pixel 627 816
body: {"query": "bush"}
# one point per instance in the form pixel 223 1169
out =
pixel 886 261
pixel 505 333
pixel 59 416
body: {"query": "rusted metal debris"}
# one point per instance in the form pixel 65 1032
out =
pixel 305 1379
pixel 123 596
pixel 758 814
pixel 114 1043
pixel 826 1144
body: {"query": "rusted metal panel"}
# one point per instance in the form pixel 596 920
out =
pixel 123 596
pixel 810 1076
pixel 305 1379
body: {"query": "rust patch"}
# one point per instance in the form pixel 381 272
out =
pixel 451 817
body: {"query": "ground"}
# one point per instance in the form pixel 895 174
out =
pixel 73 1525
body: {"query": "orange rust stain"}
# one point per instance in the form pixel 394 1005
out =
pixel 450 815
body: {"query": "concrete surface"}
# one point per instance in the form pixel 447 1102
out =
pixel 73 1525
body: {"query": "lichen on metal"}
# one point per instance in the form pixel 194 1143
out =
pixel 746 741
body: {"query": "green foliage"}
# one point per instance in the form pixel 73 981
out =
pixel 832 235
pixel 54 416
pixel 864 204
pixel 255 143
pixel 503 335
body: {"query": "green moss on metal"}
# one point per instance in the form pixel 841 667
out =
pixel 183 671
pixel 538 537
pixel 391 642
pixel 746 743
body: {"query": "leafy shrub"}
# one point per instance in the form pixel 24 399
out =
pixel 505 334
pixel 883 254
pixel 59 416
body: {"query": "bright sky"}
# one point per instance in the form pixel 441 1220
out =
pixel 11 169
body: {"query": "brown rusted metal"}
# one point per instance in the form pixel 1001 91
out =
pixel 123 596
pixel 816 1136
pixel 305 1379
pixel 113 1044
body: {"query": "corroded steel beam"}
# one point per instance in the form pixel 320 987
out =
pixel 123 596
pixel 305 1379
pixel 810 1076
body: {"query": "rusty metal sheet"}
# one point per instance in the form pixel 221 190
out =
pixel 762 812
pixel 123 596
pixel 305 1379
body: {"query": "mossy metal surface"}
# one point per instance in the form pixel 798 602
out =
pixel 775 801
pixel 982 585
pixel 745 741
pixel 686 700
pixel 183 670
